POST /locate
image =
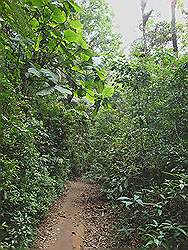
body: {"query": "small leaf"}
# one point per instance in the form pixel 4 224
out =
pixel 102 74
pixel 74 5
pixel 37 43
pixel 34 23
pixel 149 243
pixel 120 189
pixel 136 197
pixel 84 57
pixel 75 68
pixel 99 86
pixel 127 203
pixel 123 198
pixel 159 212
pixel 182 231
pixel 59 16
pixel 108 91
pixel 157 242
pixel 76 24
pixel 139 201
pixel 90 96
pixel 37 3
pixel 34 72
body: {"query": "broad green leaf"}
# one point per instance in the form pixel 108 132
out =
pixel 74 5
pixel 108 91
pixel 37 3
pixel 75 68
pixel 59 16
pixel 83 43
pixel 34 72
pixel 50 75
pixel 67 7
pixel 89 52
pixel 62 90
pixel 84 57
pixel 74 37
pixel 90 96
pixel 76 24
pixel 37 43
pixel 102 74
pixel 99 86
pixel 34 23
pixel 88 84
pixel 46 91
pixel 71 36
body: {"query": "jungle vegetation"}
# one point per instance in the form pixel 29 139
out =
pixel 73 103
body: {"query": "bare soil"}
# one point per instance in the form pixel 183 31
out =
pixel 80 218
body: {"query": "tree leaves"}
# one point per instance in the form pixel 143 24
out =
pixel 62 90
pixel 50 75
pixel 75 5
pixel 59 16
pixel 76 24
pixel 46 91
pixel 108 91
pixel 74 37
pixel 34 72
pixel 101 73
pixel 50 90
pixel 44 73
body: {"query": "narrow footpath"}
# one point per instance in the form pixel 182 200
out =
pixel 80 218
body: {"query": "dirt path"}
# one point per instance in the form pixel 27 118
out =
pixel 79 218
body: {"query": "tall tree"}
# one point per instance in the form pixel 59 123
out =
pixel 173 26
pixel 97 18
pixel 145 18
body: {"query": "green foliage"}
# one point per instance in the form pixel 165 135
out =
pixel 158 36
pixel 49 88
pixel 96 16
pixel 138 149
pixel 40 131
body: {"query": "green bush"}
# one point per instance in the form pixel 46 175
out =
pixel 40 131
pixel 138 149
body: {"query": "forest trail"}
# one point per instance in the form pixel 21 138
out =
pixel 79 219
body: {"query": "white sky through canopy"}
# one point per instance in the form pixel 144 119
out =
pixel 128 16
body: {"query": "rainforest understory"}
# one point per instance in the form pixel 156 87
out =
pixel 93 139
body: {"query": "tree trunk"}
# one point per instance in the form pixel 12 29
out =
pixel 173 26
pixel 143 6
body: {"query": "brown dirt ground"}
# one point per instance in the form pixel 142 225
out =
pixel 80 218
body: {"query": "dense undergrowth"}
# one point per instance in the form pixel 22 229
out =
pixel 138 150
pixel 52 127
pixel 36 160
pixel 42 135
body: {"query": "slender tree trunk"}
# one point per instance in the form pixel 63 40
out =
pixel 173 26
pixel 143 6
pixel 145 18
